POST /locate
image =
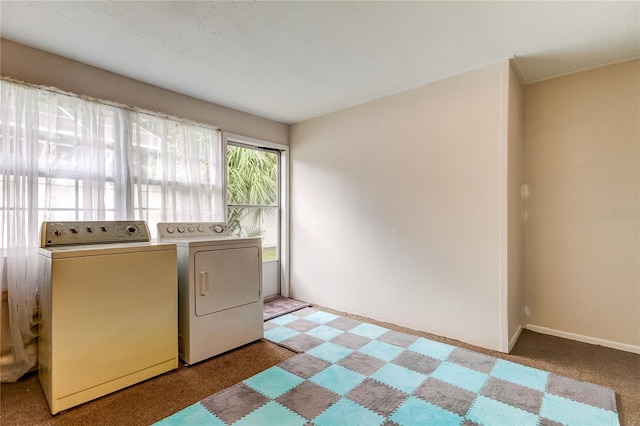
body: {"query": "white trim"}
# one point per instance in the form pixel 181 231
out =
pixel 585 339
pixel 503 231
pixel 285 289
pixel 254 142
pixel 284 198
pixel 224 160
pixel 514 339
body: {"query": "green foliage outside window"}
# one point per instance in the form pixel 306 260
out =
pixel 252 189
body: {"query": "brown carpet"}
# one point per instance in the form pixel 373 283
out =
pixel 23 403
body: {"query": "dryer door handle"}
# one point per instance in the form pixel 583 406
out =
pixel 204 283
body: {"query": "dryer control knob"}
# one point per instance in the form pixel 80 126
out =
pixel 73 230
pixel 57 232
pixel 191 229
pixel 200 228
pixel 218 229
pixel 170 229
pixel 181 229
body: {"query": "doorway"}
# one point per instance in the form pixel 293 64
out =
pixel 256 197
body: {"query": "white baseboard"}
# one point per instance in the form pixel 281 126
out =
pixel 585 339
pixel 514 339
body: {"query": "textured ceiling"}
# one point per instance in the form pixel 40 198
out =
pixel 290 61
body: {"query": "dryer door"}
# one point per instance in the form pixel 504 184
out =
pixel 226 278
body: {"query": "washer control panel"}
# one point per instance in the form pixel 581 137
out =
pixel 93 232
pixel 168 230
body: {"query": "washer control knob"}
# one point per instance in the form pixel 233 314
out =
pixel 89 229
pixel 57 232
pixel 103 228
pixel 131 229
pixel 181 229
pixel 218 229
pixel 171 229
pixel 73 230
pixel 191 229
pixel 200 228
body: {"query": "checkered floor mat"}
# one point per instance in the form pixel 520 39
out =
pixel 355 373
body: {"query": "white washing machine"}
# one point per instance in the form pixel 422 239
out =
pixel 108 309
pixel 219 288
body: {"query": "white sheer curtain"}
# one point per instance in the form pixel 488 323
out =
pixel 178 170
pixel 19 230
pixel 65 158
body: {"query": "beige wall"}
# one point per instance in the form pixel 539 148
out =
pixel 38 67
pixel 582 137
pixel 515 225
pixel 397 207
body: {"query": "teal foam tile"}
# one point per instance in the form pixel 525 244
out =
pixel 330 352
pixel 271 413
pixel 489 412
pixel 520 374
pixel 463 377
pixel 572 413
pixel 399 377
pixel 416 412
pixel 338 379
pixel 273 382
pixel 347 413
pixel 431 348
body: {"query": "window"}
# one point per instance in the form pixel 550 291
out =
pixel 177 171
pixel 85 160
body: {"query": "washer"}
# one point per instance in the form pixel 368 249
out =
pixel 219 288
pixel 108 309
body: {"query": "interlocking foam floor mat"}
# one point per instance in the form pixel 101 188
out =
pixel 352 373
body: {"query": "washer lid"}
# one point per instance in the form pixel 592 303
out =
pixel 60 252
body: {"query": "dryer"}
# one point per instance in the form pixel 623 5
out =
pixel 108 309
pixel 219 288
